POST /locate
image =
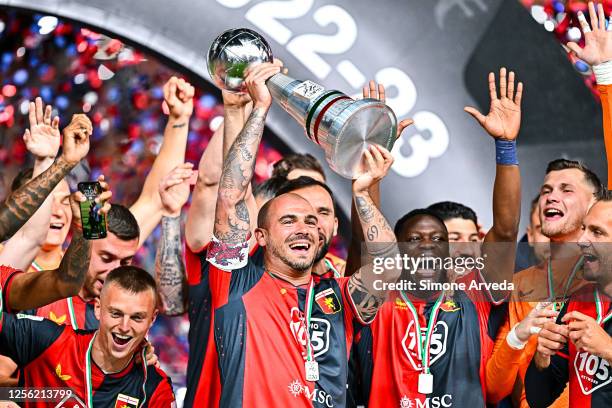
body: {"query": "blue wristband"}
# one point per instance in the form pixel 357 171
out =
pixel 505 152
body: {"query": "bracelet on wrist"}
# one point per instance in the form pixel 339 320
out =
pixel 513 341
pixel 505 152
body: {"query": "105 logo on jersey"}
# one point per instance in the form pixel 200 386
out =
pixel 319 332
pixel 593 372
pixel 437 347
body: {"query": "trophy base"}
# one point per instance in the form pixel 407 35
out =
pixel 360 124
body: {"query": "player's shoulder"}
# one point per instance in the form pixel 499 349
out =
pixel 530 274
pixel 7 272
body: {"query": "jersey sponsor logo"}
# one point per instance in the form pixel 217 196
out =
pixel 319 332
pixel 400 304
pixel 450 306
pixel 58 372
pixel 297 389
pixel 442 401
pixel 57 319
pixel 125 401
pixel 328 301
pixel 593 372
pixel 437 347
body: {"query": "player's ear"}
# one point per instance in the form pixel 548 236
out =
pixel 97 308
pixel 260 236
pixel 335 226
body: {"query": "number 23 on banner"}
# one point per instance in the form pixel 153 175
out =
pixel 307 48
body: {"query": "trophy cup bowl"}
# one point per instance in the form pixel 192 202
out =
pixel 342 126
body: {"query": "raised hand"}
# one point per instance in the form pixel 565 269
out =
pixel 535 320
pixel 235 100
pixel 377 162
pixel 255 82
pixel 597 42
pixel 375 91
pixel 103 201
pixel 504 118
pixel 43 137
pixel 178 98
pixel 551 339
pixel 174 189
pixel 76 139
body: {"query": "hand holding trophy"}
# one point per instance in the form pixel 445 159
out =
pixel 343 127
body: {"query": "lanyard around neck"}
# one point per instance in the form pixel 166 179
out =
pixel 88 380
pixel 423 349
pixel 601 319
pixel 551 286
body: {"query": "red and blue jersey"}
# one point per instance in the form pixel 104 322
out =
pixel 250 337
pixel 389 364
pixel 52 355
pixel 589 376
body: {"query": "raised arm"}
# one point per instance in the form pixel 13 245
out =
pixel 502 123
pixel 353 259
pixel 178 97
pixel 169 264
pixel 378 236
pixel 42 140
pixel 597 52
pixel 33 290
pixel 201 214
pixel 232 220
pixel 23 202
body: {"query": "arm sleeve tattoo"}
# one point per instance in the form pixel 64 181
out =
pixel 380 242
pixel 170 269
pixel 24 202
pixel 75 263
pixel 232 221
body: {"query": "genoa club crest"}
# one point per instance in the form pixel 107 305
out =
pixel 328 301
pixel 125 401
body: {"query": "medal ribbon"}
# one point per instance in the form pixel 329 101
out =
pixel 551 287
pixel 598 306
pixel 88 381
pixel 36 266
pixel 423 349
pixel 73 320
pixel 330 266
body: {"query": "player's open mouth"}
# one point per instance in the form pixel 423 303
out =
pixel 300 246
pixel 589 257
pixel 552 214
pixel 120 339
pixel 56 225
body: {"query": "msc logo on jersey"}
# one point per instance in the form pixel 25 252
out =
pixel 328 301
pixel 319 332
pixel 443 401
pixel 125 401
pixel 592 372
pixel 296 388
pixel 437 347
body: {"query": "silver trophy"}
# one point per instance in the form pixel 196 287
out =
pixel 342 126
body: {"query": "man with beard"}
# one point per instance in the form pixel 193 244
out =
pixel 581 336
pixel 568 191
pixel 291 347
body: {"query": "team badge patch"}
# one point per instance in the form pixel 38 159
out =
pixel 328 301
pixel 449 306
pixel 125 401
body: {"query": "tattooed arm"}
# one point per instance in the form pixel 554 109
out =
pixel 169 266
pixel 232 220
pixel 34 290
pixel 201 214
pixel 379 237
pixel 178 97
pixel 28 198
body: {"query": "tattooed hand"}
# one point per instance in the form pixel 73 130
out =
pixel 76 139
pixel 178 98
pixel 174 189
pixel 376 162
pixel 43 137
pixel 103 200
